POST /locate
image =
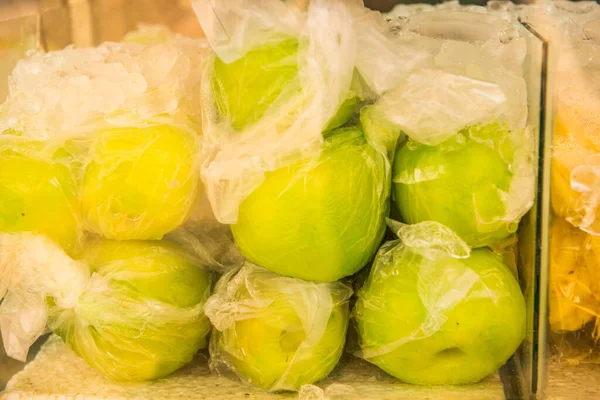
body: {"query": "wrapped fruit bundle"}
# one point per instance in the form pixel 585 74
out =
pixel 131 309
pixel 275 332
pixel 284 161
pixel 464 176
pixel 302 170
pixel 287 164
pixel 468 159
pixel 433 312
pixel 121 165
pixel 575 176
pixel 90 186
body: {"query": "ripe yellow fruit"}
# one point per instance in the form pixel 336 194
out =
pixel 277 333
pixel 574 274
pixel 140 183
pixel 38 193
pixel 142 315
pixel 576 145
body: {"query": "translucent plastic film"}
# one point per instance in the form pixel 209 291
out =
pixel 434 312
pixel 464 110
pixel 126 84
pixel 445 94
pixel 133 310
pixel 277 81
pixel 485 173
pixel 277 333
pixel 122 161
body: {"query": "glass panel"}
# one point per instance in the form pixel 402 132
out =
pixel 533 233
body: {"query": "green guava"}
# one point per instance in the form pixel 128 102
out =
pixel 462 183
pixel 270 348
pixel 244 90
pixel 38 194
pixel 441 320
pixel 319 219
pixel 141 317
pixel 140 183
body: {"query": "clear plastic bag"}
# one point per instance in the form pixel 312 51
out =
pixel 434 312
pixel 132 309
pixel 464 110
pixel 473 74
pixel 277 81
pixel 123 162
pixel 478 183
pixel 277 333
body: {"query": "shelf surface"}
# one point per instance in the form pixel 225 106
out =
pixel 57 373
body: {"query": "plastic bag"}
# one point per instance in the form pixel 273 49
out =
pixel 464 110
pixel 276 82
pixel 38 190
pixel 126 154
pixel 277 333
pixel 133 310
pixel 473 75
pixel 478 183
pixel 434 312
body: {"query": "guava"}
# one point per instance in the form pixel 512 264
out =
pixel 462 183
pixel 319 219
pixel 280 334
pixel 267 75
pixel 140 183
pixel 38 193
pixel 141 316
pixel 439 320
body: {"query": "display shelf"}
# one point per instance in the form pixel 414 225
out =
pixel 568 382
pixel 57 373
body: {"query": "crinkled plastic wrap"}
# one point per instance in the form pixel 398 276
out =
pixel 277 81
pixel 478 183
pixel 319 219
pixel 279 98
pixel 132 309
pixel 464 109
pixel 474 74
pixel 277 333
pixel 39 191
pixel 434 312
pixel 407 10
pixel 574 32
pixel 112 136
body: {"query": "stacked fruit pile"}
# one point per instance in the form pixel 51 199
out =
pixel 96 183
pixel 305 125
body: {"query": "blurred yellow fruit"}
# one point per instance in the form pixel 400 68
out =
pixel 573 278
pixel 38 193
pixel 140 183
pixel 576 166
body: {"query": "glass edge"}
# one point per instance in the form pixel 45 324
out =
pixel 540 338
